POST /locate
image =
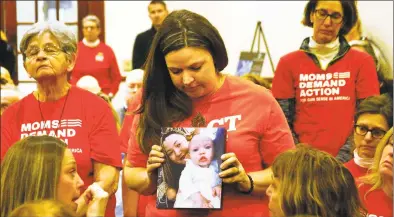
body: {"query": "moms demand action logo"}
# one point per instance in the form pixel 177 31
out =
pixel 63 130
pixel 323 87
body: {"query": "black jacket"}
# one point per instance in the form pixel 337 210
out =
pixel 141 48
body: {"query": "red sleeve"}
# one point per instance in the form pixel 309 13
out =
pixel 103 136
pixel 283 84
pixel 134 153
pixel 115 73
pixel 276 135
pixel 6 131
pixel 367 83
pixel 76 73
pixel 128 120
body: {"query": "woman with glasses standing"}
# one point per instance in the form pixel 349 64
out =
pixel 319 85
pixel 373 119
pixel 80 118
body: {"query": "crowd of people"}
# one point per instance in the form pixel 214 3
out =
pixel 316 141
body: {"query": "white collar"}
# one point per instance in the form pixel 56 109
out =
pixel 91 44
pixel 362 162
pixel 331 46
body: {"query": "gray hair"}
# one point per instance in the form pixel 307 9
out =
pixel 63 34
pixel 92 18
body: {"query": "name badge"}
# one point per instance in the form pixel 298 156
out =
pixel 100 57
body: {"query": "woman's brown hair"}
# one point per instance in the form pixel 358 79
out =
pixel 30 171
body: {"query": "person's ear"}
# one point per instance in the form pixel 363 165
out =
pixel 71 62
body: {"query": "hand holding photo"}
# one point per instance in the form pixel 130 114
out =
pixel 189 177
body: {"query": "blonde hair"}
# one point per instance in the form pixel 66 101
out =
pixel 317 184
pixel 374 177
pixel 47 208
pixel 30 171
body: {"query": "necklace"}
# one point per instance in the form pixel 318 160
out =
pixel 61 114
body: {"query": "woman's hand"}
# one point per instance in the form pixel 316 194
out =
pixel 155 159
pixel 93 201
pixel 233 172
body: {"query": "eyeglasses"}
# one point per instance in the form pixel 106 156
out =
pixel 90 27
pixel 322 14
pixel 49 50
pixel 375 132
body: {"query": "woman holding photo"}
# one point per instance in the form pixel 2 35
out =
pixel 184 87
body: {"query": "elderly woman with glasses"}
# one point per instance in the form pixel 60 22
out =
pixel 81 119
pixel 373 119
pixel 319 85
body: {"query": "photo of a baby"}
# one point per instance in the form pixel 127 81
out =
pixel 197 181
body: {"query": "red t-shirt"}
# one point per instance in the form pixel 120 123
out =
pixel 99 62
pixel 87 126
pixel 325 99
pixel 378 204
pixel 257 132
pixel 128 120
pixel 355 169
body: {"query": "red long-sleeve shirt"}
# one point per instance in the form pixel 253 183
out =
pixel 99 62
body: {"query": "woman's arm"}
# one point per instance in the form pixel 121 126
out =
pixel 106 176
pixel 141 179
pixel 130 198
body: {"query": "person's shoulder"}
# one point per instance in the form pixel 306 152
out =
pixel 146 32
pixel 14 107
pixel 357 53
pixel 105 46
pixel 237 83
pixel 91 99
pixel 293 55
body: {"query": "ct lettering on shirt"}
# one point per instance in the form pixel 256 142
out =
pixel 323 87
pixel 66 129
pixel 229 120
pixel 99 57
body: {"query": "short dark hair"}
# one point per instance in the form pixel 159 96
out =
pixel 158 2
pixel 381 104
pixel 162 103
pixel 350 14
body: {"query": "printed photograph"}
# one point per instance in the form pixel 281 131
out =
pixel 189 178
pixel 250 62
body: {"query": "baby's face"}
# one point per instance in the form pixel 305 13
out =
pixel 201 151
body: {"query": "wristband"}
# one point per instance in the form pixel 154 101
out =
pixel 251 186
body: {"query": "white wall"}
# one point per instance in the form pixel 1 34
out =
pixel 236 21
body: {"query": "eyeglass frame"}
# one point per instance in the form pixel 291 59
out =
pixel 328 15
pixel 54 53
pixel 356 126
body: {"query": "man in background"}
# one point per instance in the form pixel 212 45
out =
pixel 157 13
pixel 96 59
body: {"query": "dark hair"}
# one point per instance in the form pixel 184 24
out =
pixel 158 2
pixel 316 184
pixel 381 104
pixel 350 15
pixel 162 103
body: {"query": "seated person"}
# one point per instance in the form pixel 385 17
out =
pixel 309 182
pixel 374 117
pixel 41 167
pixel 200 175
pixel 376 188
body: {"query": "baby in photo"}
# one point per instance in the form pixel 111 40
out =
pixel 200 176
